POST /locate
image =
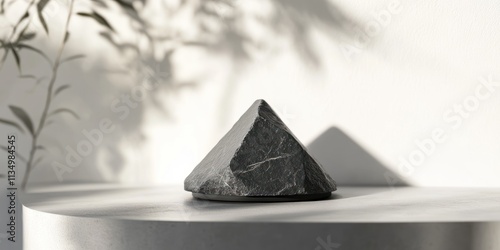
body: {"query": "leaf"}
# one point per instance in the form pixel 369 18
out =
pixel 40 147
pixel 42 4
pixel 74 57
pixel 44 24
pixel 98 18
pixel 125 4
pixel 63 87
pixel 28 76
pixel 2 6
pixel 24 117
pixel 40 7
pixel 5 55
pixel 17 58
pixel 65 110
pixel 28 36
pixel 25 46
pixel 100 3
pixel 129 9
pixel 25 16
pixel 22 36
pixel 11 123
pixel 66 37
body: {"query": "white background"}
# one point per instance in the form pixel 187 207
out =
pixel 377 98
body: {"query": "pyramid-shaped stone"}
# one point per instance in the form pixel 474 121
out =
pixel 259 157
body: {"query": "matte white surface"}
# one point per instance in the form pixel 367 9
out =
pixel 409 218
pixel 348 204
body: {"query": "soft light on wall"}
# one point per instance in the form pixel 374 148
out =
pixel 414 87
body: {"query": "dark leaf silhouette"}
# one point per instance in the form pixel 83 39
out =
pixel 100 3
pixel 98 18
pixel 26 37
pixel 28 76
pixel 64 110
pixel 74 57
pixel 17 58
pixel 41 147
pixel 44 24
pixel 24 117
pixel 22 34
pixel 39 8
pixel 129 9
pixel 42 4
pixel 61 88
pixel 2 6
pixel 125 5
pixel 6 53
pixel 11 123
pixel 24 17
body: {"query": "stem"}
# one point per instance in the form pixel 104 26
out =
pixel 48 100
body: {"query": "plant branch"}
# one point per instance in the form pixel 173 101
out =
pixel 48 99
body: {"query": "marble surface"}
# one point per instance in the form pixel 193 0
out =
pixel 381 217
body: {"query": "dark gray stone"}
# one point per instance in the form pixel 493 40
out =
pixel 259 157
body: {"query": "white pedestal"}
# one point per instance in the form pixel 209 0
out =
pixel 354 218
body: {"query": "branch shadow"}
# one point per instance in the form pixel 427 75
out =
pixel 98 93
pixel 294 19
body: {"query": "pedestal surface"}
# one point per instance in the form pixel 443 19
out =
pixel 353 218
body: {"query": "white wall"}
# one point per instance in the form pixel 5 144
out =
pixel 398 86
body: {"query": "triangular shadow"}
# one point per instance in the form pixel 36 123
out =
pixel 348 163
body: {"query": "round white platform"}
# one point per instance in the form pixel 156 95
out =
pixel 87 217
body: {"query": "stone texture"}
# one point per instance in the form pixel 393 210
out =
pixel 260 157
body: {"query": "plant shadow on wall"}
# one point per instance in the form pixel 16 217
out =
pixel 32 23
pixel 160 29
